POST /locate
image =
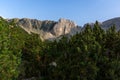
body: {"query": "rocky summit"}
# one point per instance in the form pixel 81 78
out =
pixel 51 30
pixel 48 30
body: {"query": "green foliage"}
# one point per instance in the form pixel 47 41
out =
pixel 9 61
pixel 93 54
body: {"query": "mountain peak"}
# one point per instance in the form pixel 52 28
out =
pixel 64 26
pixel 51 29
pixel 47 29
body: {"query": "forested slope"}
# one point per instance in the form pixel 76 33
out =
pixel 93 54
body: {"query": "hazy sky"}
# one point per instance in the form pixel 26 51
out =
pixel 80 11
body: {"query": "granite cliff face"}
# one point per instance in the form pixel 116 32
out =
pixel 50 30
pixel 47 29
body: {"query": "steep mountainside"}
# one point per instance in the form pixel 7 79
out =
pixel 107 24
pixel 47 29
pixel 115 21
pixel 93 54
pixel 50 30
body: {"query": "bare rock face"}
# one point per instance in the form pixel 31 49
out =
pixel 47 30
pixel 35 26
pixel 51 30
pixel 63 27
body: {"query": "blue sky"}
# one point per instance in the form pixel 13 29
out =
pixel 80 11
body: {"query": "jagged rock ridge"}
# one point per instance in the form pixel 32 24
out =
pixel 50 30
pixel 47 29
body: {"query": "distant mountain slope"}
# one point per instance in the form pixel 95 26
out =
pixel 108 23
pixel 47 29
pixel 50 30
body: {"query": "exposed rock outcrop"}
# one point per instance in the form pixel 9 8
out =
pixel 47 29
pixel 63 27
pixel 51 30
